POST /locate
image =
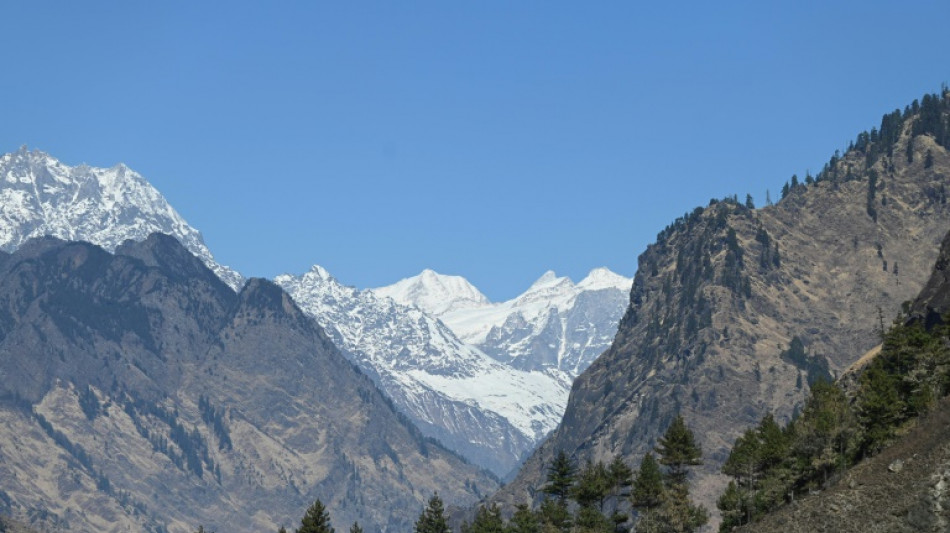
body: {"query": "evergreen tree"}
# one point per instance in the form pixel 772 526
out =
pixel 593 485
pixel 432 519
pixel 678 450
pixel 648 485
pixel 315 520
pixel 748 201
pixel 732 506
pixel 282 529
pixel 675 514
pixel 880 406
pixel 621 476
pixel 560 477
pixel 774 442
pixel 524 521
pixel 554 516
pixel 355 528
pixel 487 520
pixel 591 520
pixel 827 432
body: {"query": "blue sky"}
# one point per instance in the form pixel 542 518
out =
pixel 493 140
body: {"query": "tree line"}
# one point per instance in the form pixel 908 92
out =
pixel 611 497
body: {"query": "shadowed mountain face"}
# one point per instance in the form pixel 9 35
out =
pixel 140 392
pixel 721 295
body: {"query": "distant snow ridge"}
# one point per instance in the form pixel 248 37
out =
pixel 487 410
pixel 39 196
pixel 554 325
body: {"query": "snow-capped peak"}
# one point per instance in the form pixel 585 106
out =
pixel 549 279
pixel 39 196
pixel 435 293
pixel 604 278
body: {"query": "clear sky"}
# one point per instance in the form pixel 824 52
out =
pixel 490 139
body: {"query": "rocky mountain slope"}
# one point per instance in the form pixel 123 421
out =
pixel 719 298
pixel 139 392
pixel 488 411
pixel 904 487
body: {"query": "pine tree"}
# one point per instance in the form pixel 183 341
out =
pixel 732 505
pixel 554 515
pixel 648 485
pixel 487 520
pixel 678 450
pixel 593 485
pixel 675 514
pixel 524 521
pixel 748 201
pixel 355 528
pixel 315 520
pixel 560 477
pixel 432 519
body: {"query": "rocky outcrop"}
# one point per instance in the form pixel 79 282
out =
pixel 933 303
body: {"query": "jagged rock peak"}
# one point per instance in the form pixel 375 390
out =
pixel 320 272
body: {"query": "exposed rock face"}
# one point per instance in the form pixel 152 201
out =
pixel 933 302
pixel 725 289
pixel 139 392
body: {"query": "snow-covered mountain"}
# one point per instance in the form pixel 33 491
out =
pixel 39 196
pixel 555 324
pixel 489 411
